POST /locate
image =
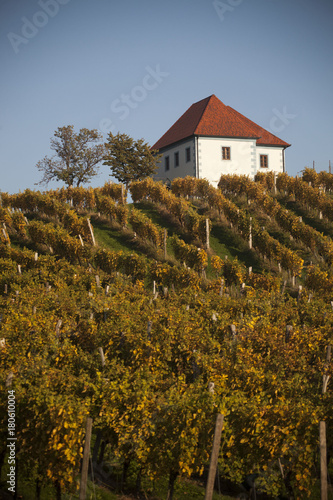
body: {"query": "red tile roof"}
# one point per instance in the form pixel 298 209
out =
pixel 210 117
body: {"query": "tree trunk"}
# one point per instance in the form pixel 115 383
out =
pixel 101 454
pixel 38 489
pixel 138 482
pixel 124 474
pixel 288 486
pixel 58 490
pixel 172 479
pixel 96 446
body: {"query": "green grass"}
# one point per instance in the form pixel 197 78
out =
pixel 184 490
pixel 117 239
pixel 274 229
pixel 163 221
pixel 112 238
pixel 157 217
pixel 225 242
pixel 94 492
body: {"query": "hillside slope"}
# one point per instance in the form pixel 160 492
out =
pixel 155 316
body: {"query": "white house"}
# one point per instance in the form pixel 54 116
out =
pixel 211 139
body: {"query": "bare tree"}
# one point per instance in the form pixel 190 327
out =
pixel 76 156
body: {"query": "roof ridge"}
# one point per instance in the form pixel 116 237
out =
pixel 256 127
pixel 211 117
pixel 256 136
pixel 205 99
pixel 205 108
pixel 183 131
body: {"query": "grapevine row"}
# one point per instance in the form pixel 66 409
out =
pixel 36 202
pixel 261 239
pixel 156 192
pixel 194 257
pixel 308 195
pixel 149 398
pixel 286 219
pixel 145 228
pixel 318 179
pixel 55 205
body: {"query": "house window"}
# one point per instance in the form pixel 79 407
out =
pixel 177 159
pixel 264 161
pixel 225 153
pixel 188 154
pixel 167 163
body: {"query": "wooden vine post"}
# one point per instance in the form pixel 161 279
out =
pixel 274 183
pixel 101 353
pixel 214 457
pixel 250 233
pixel 5 234
pixel 207 234
pixel 165 243
pixel 323 460
pixel 322 435
pixel 91 232
pixel 85 461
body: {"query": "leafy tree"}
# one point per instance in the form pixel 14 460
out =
pixel 76 159
pixel 130 160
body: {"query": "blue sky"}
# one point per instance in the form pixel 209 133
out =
pixel 136 66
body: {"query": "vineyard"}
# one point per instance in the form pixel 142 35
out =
pixel 153 317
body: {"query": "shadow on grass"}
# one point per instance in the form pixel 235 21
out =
pixel 113 238
pixel 223 239
pixel 158 216
pixel 122 240
pixel 322 225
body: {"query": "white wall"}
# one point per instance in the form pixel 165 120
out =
pixel 275 158
pixel 184 168
pixel 208 164
pixel 242 161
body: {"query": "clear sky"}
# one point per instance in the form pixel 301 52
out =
pixel 135 66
